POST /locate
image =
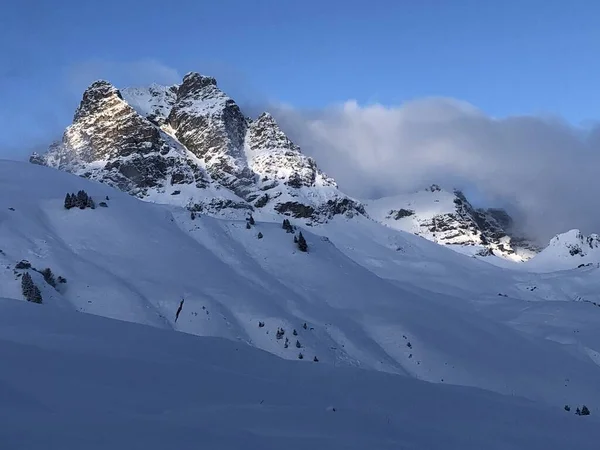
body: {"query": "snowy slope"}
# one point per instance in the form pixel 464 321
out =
pixel 371 296
pixel 77 381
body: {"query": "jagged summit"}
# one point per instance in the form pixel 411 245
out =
pixel 191 145
pixel 449 218
pixel 195 81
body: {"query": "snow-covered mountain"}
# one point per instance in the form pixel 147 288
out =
pixel 190 145
pixel 568 250
pixel 449 219
pixel 363 295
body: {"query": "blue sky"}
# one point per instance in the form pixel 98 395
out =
pixel 505 57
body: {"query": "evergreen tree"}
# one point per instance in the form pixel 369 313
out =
pixel 567 408
pixel 248 225
pixel 49 276
pixel 280 333
pixel 81 199
pixel 585 411
pixel 302 245
pixel 30 291
pixel 260 235
pixel 578 411
pixel 295 333
pixel 251 220
pixel 68 201
pixel 315 359
pixel 300 355
pixel 298 344
pixel 305 326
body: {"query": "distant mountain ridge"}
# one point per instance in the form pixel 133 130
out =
pixel 449 219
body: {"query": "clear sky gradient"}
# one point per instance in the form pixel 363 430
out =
pixel 505 57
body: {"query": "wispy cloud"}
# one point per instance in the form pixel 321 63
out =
pixel 121 73
pixel 541 169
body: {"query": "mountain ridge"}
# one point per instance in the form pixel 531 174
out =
pixel 190 145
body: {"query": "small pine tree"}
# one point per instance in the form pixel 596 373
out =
pixel 251 220
pixel 298 344
pixel 248 225
pixel 305 326
pixel 315 359
pixel 295 333
pixel 585 411
pixel 30 291
pixel 302 245
pixel 193 215
pixel 81 199
pixel 49 276
pixel 62 279
pixel 300 355
pixel 261 324
pixel 567 408
pixel 260 235
pixel 287 343
pixel 578 411
pixel 68 201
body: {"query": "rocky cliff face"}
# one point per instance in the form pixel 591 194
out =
pixel 191 145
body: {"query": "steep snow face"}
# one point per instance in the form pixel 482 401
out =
pixel 567 251
pixel 154 103
pixel 78 377
pixel 370 296
pixel 449 219
pixel 190 145
pixel 274 157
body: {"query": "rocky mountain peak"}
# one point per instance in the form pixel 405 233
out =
pixel 191 145
pixel 193 81
pixel 95 96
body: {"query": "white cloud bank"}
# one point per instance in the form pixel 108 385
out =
pixel 543 170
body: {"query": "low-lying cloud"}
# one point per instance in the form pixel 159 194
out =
pixel 544 171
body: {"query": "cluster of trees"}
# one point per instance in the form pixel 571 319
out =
pixel 299 240
pixel 287 226
pixel 29 289
pixel 80 200
pixel 584 411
